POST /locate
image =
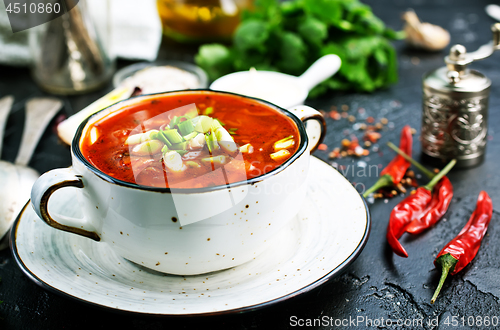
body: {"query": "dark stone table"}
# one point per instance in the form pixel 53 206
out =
pixel 378 285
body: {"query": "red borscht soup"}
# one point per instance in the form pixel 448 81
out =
pixel 190 140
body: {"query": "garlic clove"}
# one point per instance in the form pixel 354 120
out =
pixel 424 35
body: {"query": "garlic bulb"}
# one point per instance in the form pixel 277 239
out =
pixel 424 35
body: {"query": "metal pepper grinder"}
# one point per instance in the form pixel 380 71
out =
pixel 455 107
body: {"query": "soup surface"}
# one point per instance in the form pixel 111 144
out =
pixel 190 140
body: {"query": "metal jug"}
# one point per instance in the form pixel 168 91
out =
pixel 71 53
pixel 455 107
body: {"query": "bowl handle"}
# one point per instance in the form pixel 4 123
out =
pixel 322 69
pixel 44 187
pixel 314 122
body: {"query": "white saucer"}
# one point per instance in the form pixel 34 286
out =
pixel 325 237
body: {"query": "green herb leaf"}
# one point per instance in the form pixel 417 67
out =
pixel 329 11
pixel 293 53
pixel 313 31
pixel 289 36
pixel 215 59
pixel 251 35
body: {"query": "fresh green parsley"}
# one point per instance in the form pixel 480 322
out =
pixel 289 36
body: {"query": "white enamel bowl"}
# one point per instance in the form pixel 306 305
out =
pixel 322 240
pixel 279 88
pixel 144 224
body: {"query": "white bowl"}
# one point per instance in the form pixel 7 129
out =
pixel 128 71
pixel 279 88
pixel 234 222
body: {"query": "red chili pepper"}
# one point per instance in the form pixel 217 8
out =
pixel 463 248
pixel 398 166
pixel 411 208
pixel 441 199
pixel 396 169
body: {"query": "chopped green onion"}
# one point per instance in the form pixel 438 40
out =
pixel 215 124
pixel 164 150
pixel 141 137
pixel 173 136
pixel 284 144
pixel 186 127
pixel 284 139
pixel 225 140
pixel 175 120
pixel 192 164
pixel 181 152
pixel 161 136
pixel 180 146
pixel 246 149
pixel 208 111
pixel 203 124
pixel 211 140
pixel 190 136
pixel 197 142
pixel 134 139
pixel 193 112
pixel 222 134
pixel 195 120
pixel 147 148
pixel 280 155
pixel 217 160
pixel 173 161
pixel 152 134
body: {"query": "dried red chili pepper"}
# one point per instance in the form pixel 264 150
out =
pixel 441 198
pixel 421 167
pixel 412 207
pixel 396 169
pixel 463 248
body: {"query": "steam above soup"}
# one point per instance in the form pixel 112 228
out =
pixel 190 140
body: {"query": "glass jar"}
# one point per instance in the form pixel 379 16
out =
pixel 200 20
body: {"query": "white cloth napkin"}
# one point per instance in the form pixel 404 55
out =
pixel 134 31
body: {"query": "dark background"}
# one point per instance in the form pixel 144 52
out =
pixel 378 284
